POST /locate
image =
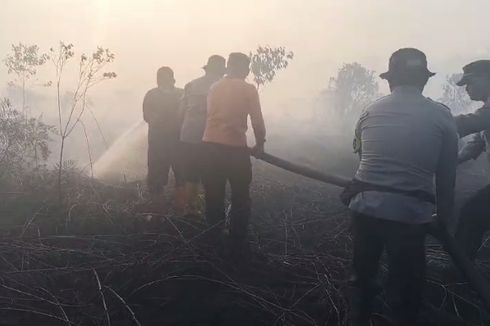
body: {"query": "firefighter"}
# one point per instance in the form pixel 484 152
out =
pixel 161 112
pixel 474 218
pixel 404 141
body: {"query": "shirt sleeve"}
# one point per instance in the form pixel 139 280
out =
pixel 473 148
pixel 356 142
pixel 473 122
pixel 446 169
pixel 256 117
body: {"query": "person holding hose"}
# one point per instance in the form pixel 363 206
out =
pixel 474 219
pixel 405 140
pixel 230 102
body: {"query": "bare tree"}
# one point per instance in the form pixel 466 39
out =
pixel 266 61
pixel 90 73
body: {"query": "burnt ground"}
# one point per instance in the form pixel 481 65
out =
pixel 98 261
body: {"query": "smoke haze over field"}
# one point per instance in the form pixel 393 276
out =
pixel 323 34
pixel 182 33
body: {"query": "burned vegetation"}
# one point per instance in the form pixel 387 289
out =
pixel 75 250
pixel 98 260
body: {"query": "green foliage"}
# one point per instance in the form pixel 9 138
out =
pixel 24 60
pixel 23 63
pixel 266 61
pixel 24 144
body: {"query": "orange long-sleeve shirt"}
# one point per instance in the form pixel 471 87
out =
pixel 230 101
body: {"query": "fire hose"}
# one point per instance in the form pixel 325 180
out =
pixel 437 229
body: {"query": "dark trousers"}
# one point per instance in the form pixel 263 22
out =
pixel 405 248
pixel 228 164
pixel 474 221
pixel 162 156
pixel 192 161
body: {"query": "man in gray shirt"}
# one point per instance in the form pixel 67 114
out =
pixel 194 114
pixel 404 141
pixel 474 218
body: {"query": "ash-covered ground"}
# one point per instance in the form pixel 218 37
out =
pixel 99 261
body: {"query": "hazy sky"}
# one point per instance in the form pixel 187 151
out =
pixel 146 34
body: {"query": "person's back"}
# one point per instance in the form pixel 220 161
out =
pixel 194 110
pixel 230 102
pixel 401 137
pixel 405 141
pixel 161 112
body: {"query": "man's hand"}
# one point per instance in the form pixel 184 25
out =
pixel 257 150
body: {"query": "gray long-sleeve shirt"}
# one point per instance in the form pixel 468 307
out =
pixel 194 109
pixel 406 140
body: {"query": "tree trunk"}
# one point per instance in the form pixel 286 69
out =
pixel 60 170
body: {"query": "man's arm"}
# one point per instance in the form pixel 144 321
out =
pixel 147 108
pixel 472 149
pixel 184 103
pixel 473 122
pixel 446 170
pixel 257 120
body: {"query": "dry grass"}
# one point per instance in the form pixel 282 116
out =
pixel 96 261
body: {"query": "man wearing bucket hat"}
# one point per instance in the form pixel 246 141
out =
pixel 193 110
pixel 474 218
pixel 404 140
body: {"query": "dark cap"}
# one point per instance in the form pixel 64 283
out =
pixel 480 67
pixel 407 62
pixel 238 60
pixel 215 63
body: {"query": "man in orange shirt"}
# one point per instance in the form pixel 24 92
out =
pixel 230 101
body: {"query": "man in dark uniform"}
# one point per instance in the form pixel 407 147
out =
pixel 474 218
pixel 161 112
